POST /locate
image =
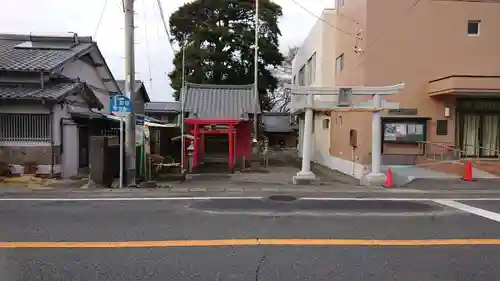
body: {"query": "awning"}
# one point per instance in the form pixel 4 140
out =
pixel 87 114
pixel 151 124
pixel 186 136
pixel 465 85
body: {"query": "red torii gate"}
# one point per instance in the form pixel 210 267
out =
pixel 239 133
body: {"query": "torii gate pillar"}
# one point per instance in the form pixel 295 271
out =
pixel 305 176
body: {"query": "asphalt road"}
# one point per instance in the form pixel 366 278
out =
pixel 197 240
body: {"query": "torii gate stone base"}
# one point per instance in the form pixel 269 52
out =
pixel 343 103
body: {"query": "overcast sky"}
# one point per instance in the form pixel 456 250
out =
pixel 82 17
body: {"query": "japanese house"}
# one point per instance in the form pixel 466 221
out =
pixel 280 129
pixel 141 95
pixel 54 94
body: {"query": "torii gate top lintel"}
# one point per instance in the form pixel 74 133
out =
pixel 355 90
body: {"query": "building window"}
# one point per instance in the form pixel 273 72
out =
pixel 339 63
pixel 294 80
pixel 442 127
pixel 311 69
pixel 314 122
pixel 473 27
pixel 302 76
pixel 326 123
pixel 25 127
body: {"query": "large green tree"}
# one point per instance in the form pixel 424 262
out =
pixel 218 37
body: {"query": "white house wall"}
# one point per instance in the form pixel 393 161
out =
pixel 320 41
pixel 321 139
pixel 88 73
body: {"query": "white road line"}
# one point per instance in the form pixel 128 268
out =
pixel 127 199
pixel 240 197
pixel 470 209
pixel 394 199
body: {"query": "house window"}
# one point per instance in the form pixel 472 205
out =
pixel 326 123
pixel 294 80
pixel 473 27
pixel 339 63
pixel 442 127
pixel 25 127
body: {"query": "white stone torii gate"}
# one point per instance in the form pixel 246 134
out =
pixel 343 104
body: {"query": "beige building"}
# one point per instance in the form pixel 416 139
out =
pixel 446 52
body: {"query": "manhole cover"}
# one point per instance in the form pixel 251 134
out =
pixel 282 198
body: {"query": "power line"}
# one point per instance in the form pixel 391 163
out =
pixel 165 25
pixel 415 4
pixel 100 18
pixel 319 18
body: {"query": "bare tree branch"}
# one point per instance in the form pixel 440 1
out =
pixel 280 100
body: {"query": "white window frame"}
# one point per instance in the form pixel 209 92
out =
pixel 302 76
pixel 311 68
pixel 326 123
pixel 478 22
pixel 339 63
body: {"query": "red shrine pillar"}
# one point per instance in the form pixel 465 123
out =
pixel 195 146
pixel 231 146
pixel 202 145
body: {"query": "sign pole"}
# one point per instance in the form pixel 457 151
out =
pixel 121 152
pixel 121 107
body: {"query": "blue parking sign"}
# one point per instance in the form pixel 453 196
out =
pixel 120 105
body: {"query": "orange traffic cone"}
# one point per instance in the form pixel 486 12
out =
pixel 468 171
pixel 388 180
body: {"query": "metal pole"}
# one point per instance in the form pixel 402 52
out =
pixel 182 106
pixel 256 68
pixel 121 152
pixel 376 135
pixel 129 90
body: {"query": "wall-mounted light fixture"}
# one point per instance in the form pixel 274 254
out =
pixel 447 111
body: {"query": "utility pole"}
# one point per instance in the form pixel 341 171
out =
pixel 256 69
pixel 183 88
pixel 130 148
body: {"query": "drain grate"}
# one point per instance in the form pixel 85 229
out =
pixel 282 198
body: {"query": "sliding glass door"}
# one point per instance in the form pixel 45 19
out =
pixel 480 135
pixel 490 135
pixel 470 134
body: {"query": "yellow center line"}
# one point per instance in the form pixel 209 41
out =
pixel 251 242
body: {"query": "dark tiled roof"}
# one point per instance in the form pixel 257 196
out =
pixel 220 101
pixel 40 58
pixel 160 106
pixel 34 92
pixel 277 122
pixel 138 84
